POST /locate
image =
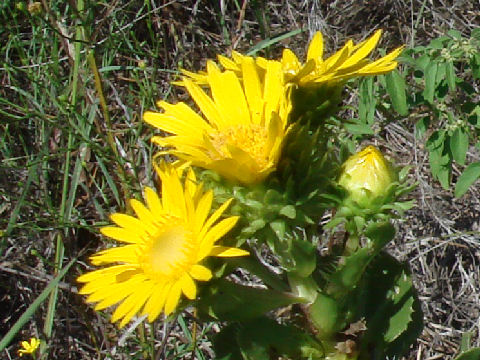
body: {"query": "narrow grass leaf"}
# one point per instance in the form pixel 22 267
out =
pixel 34 306
pixel 271 41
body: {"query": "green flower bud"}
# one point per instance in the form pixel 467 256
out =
pixel 367 176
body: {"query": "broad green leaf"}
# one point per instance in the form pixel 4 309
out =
pixel 459 145
pixel 326 315
pixel 430 81
pixel 396 90
pixel 450 75
pixel 367 101
pixel 227 301
pixel 390 307
pixel 359 129
pixel 473 354
pixel 421 126
pixel 468 177
pixel 262 337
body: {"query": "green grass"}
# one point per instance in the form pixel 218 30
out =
pixel 76 78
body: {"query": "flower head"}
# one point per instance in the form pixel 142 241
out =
pixel 367 176
pixel 166 243
pixel 350 61
pixel 29 347
pixel 244 124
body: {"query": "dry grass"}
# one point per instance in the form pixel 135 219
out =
pixel 439 238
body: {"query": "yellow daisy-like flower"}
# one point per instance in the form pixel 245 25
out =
pixel 244 124
pixel 29 347
pixel 165 245
pixel 350 61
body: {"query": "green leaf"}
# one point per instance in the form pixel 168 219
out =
pixel 459 145
pixel 396 90
pixel 288 211
pixel 430 81
pixel 271 41
pixel 473 354
pixel 468 177
pixel 380 234
pixel 326 315
pixel 34 306
pixel 228 301
pixel 390 307
pixel 262 337
pixel 450 76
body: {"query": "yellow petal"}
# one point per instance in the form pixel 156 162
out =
pixel 365 49
pixel 253 90
pixel 231 103
pixel 315 49
pixel 188 286
pixel 205 103
pixel 144 215
pixel 223 251
pixel 172 298
pixel 200 272
pixel 153 201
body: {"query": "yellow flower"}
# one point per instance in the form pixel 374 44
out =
pixel 244 124
pixel 348 62
pixel 367 176
pixel 29 347
pixel 165 245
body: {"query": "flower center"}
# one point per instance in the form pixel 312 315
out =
pixel 169 253
pixel 251 139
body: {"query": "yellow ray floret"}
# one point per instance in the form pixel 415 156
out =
pixel 244 121
pixel 350 61
pixel 163 249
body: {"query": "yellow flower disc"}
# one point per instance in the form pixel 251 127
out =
pixel 165 244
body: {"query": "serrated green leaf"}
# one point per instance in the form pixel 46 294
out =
pixel 468 177
pixel 396 90
pixel 391 308
pixel 459 145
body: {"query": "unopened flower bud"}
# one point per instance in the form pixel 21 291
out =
pixel 367 176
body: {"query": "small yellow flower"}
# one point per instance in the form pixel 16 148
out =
pixel 29 347
pixel 350 61
pixel 367 176
pixel 244 124
pixel 166 244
